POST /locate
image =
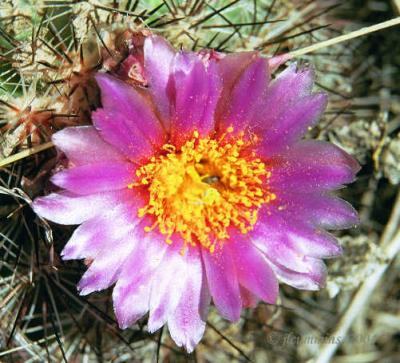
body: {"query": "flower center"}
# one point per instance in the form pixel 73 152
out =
pixel 202 190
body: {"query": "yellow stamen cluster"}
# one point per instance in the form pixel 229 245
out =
pixel 203 189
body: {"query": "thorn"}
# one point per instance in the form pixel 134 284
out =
pixel 101 39
pixel 218 11
pixel 153 11
pixel 283 39
pixel 242 24
pixel 57 52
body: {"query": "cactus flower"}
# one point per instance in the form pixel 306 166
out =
pixel 200 187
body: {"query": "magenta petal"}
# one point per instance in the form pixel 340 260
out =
pixel 334 213
pixel 276 61
pixel 321 152
pixel 288 241
pixel 205 297
pixel 166 288
pixel 197 88
pixel 186 324
pixel 223 282
pixel 158 56
pixel 106 267
pixel 322 210
pixel 305 172
pixel 131 295
pixel 129 140
pixel 231 67
pixel 252 269
pixel 315 243
pixel 83 145
pixel 305 178
pixel 122 104
pixel 277 245
pixel 93 178
pixel 68 208
pixel 87 240
pixel 246 97
pixel 291 85
pixel 249 300
pixel 98 233
pixel 280 250
pixel 291 124
pixel 313 280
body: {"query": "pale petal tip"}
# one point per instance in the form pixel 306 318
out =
pixel 276 61
pixel 37 206
pixel 84 287
pixel 122 323
pixel 64 253
pixel 155 322
pixel 43 206
pixel 322 99
pixel 124 320
pixel 336 251
pixel 84 291
pixel 105 81
pixel 69 253
pixel 155 41
pixel 188 341
pixel 57 179
pixel 56 137
pixel 273 295
pixel 102 77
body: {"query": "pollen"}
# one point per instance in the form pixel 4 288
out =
pixel 204 189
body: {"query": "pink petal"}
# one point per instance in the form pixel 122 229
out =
pixel 321 152
pixel 252 269
pixel 94 178
pixel 123 104
pixel 106 267
pixel 231 67
pixel 83 145
pixel 276 61
pixel 90 238
pixel 158 56
pixel 290 124
pixel 129 140
pixel 313 280
pixel 303 178
pixel 223 282
pixel 68 208
pixel 131 295
pixel 310 166
pixel 166 288
pixel 289 87
pixel 197 88
pixel 97 234
pixel 288 241
pixel 126 235
pixel 322 210
pixel 249 300
pixel 246 97
pixel 186 324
